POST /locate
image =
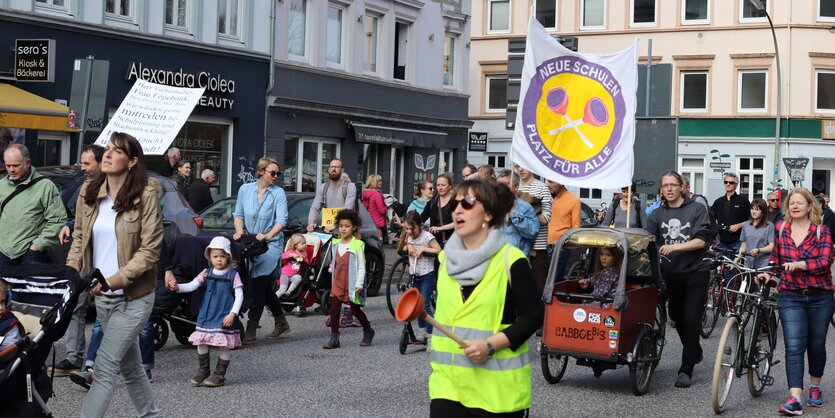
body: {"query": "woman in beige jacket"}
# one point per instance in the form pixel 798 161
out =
pixel 118 230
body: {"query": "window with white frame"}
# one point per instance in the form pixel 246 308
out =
pixel 497 161
pixel 495 99
pixel 753 91
pixel 546 13
pixel 694 91
pixel 642 12
pixel 227 18
pixel 826 10
pixel 401 49
pixel 694 169
pixel 751 177
pixel 117 7
pixel 51 6
pixel 749 13
pixel 445 160
pixel 498 16
pixel 334 32
pixel 825 90
pixel 371 24
pixel 176 13
pixel 449 60
pixel 592 14
pixel 695 11
pixel 297 29
pixel 306 162
pixel 591 193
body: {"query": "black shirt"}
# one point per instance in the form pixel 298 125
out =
pixel 199 195
pixel 438 217
pixel 730 212
pixel 165 169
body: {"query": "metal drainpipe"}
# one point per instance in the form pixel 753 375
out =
pixel 271 81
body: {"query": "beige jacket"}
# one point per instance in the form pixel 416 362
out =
pixel 139 234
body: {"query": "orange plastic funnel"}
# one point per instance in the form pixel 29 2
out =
pixel 410 307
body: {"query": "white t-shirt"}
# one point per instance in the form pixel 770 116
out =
pixel 420 266
pixel 105 246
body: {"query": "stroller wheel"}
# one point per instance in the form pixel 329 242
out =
pixel 182 331
pixel 325 303
pixel 160 332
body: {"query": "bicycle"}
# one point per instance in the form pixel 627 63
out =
pixel 716 304
pixel 751 356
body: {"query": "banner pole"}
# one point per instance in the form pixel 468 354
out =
pixel 628 206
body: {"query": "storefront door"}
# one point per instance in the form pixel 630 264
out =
pixel 306 162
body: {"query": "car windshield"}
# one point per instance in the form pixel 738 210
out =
pixel 219 215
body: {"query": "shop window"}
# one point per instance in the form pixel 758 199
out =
pixel 546 13
pixel 752 91
pixel 371 25
pixel 306 162
pixel 694 92
pixel 204 146
pixel 749 13
pixel 497 161
pixel 643 12
pixel 297 29
pixel 826 10
pixel 496 94
pixel 227 18
pixel 401 49
pixel 695 11
pixel 445 161
pixel 449 60
pixel 591 193
pixel 694 170
pixel 334 33
pixel 593 14
pixel 751 175
pixel 176 13
pixel 51 149
pixel 825 91
pixel 117 7
pixel 499 17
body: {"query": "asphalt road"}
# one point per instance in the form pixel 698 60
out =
pixel 295 377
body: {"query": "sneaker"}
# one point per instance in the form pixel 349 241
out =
pixel 792 407
pixel 83 379
pixel 150 377
pixel 64 368
pixel 815 397
pixel 683 380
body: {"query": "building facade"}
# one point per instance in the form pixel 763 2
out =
pixel 380 84
pixel 724 80
pixel 221 45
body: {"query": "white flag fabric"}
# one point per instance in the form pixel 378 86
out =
pixel 576 117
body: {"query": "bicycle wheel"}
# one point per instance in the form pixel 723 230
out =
pixel 713 306
pixel 553 367
pixel 398 283
pixel 723 367
pixel 640 371
pixel 760 375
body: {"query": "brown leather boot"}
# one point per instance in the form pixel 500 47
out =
pixel 202 371
pixel 249 334
pixel 218 378
pixel 281 329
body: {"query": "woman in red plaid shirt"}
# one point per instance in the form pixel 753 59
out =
pixel 803 247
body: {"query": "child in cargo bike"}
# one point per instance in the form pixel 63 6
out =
pixel 605 277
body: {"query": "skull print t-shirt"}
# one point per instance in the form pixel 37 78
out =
pixel 678 225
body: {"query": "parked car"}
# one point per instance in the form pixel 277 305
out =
pixel 218 219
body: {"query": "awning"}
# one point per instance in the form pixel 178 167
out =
pixel 21 109
pixel 374 134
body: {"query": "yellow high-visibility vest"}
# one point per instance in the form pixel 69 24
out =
pixel 503 382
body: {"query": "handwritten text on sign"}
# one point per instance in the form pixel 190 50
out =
pixel 152 113
pixel 329 216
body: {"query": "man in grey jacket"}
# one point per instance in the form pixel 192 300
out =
pixel 335 193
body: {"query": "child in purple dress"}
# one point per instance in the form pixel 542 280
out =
pixel 216 320
pixel 605 277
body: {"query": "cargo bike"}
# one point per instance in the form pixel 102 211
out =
pixel 605 333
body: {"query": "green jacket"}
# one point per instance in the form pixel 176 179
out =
pixel 34 216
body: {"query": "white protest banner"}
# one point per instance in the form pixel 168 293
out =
pixel 153 113
pixel 576 119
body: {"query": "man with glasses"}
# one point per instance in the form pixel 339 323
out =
pixel 731 210
pixel 774 213
pixel 334 193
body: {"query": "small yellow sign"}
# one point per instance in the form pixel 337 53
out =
pixel 329 216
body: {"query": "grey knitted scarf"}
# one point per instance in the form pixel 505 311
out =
pixel 469 266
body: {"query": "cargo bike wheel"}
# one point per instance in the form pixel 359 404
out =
pixel 643 364
pixel 553 365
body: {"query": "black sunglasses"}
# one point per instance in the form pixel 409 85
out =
pixel 773 200
pixel 467 203
pixel 274 173
pixel 730 182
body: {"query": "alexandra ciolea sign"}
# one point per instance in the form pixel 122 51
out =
pixel 213 83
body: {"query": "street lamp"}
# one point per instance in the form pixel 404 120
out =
pixel 761 7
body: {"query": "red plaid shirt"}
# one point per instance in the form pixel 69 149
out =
pixel 816 251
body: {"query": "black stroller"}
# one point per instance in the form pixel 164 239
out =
pixel 43 298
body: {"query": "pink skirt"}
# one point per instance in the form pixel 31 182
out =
pixel 216 339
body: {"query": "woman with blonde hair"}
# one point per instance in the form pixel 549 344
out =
pixel 372 199
pixel 261 209
pixel 803 248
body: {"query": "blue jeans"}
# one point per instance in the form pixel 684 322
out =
pixel 29 257
pixel 729 245
pixel 146 344
pixel 805 322
pixel 426 284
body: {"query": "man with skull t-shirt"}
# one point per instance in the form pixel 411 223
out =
pixel 681 228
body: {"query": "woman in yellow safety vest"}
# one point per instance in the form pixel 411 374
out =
pixel 487 296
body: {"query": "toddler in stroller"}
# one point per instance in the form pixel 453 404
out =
pixel 303 291
pixel 42 298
